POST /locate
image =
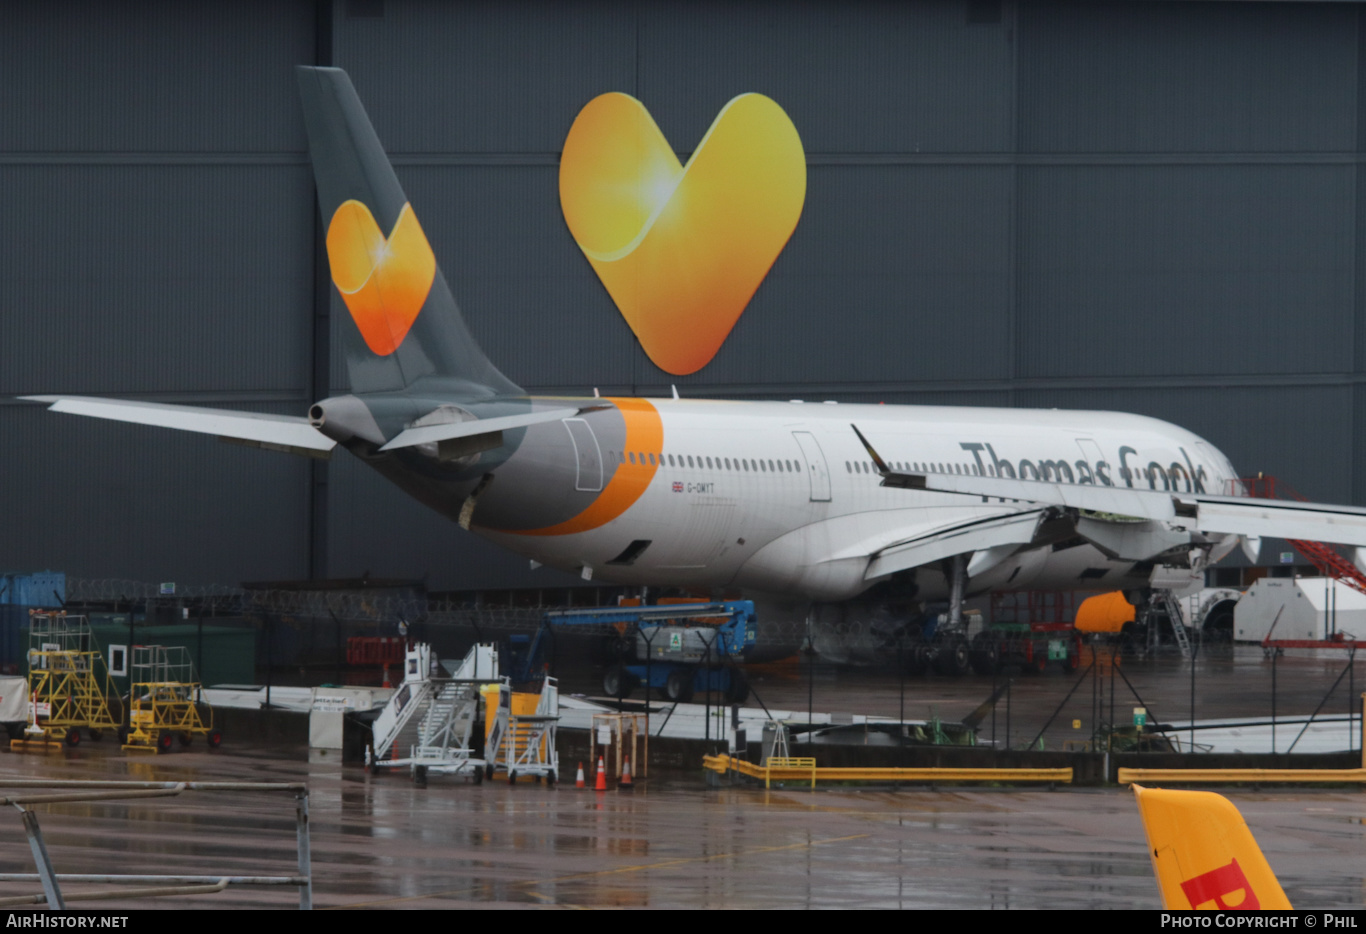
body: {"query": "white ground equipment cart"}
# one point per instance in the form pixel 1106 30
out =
pixel 430 721
pixel 524 743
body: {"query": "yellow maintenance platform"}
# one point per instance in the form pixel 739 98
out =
pixel 68 683
pixel 165 701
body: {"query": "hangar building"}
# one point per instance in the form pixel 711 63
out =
pixel 1152 207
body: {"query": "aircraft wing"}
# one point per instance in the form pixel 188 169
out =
pixel 978 535
pixel 288 433
pixel 1200 512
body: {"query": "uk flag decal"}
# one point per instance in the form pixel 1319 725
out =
pixel 678 486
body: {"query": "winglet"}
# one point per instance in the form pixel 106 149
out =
pixel 1203 854
pixel 890 477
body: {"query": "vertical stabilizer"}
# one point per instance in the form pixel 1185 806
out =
pixel 404 330
pixel 1203 854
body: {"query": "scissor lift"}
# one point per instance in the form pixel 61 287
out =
pixel 68 682
pixel 165 701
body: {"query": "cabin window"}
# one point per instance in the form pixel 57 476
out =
pixel 633 457
pixel 690 463
pixel 652 459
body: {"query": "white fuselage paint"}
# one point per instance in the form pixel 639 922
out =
pixel 730 523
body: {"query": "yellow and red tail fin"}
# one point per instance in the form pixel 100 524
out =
pixel 1203 854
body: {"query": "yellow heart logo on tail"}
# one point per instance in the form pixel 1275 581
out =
pixel 682 249
pixel 383 282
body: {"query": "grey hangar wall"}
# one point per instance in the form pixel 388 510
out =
pixel 1150 207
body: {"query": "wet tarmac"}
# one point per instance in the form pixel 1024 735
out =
pixel 381 843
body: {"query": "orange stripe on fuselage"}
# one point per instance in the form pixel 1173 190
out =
pixel 644 436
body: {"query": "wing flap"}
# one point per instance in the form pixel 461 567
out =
pixel 276 432
pixel 977 535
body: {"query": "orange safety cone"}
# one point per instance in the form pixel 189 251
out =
pixel 625 783
pixel 578 780
pixel 601 783
pixel 386 683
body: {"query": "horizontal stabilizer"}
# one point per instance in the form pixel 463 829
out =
pixel 429 434
pixel 1198 512
pixel 276 432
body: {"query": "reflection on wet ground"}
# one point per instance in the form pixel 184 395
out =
pixel 382 843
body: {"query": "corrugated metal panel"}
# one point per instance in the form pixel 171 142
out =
pixel 1302 434
pixel 1159 270
pixel 1188 77
pixel 872 78
pixel 108 500
pixel 376 529
pixel 164 76
pixel 894 272
pixel 484 77
pixel 156 278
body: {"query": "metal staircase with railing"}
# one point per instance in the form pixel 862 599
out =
pixel 429 722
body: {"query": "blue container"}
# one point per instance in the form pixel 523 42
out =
pixel 41 588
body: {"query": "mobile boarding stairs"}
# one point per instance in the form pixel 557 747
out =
pixel 430 721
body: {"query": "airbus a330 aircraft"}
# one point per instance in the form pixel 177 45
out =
pixel 798 505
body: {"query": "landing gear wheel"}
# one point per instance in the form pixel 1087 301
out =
pixel 550 780
pixel 912 658
pixel 512 777
pixel 478 775
pixel 737 691
pixel 185 738
pixel 488 771
pixel 215 738
pixel 164 741
pixel 123 735
pixel 954 657
pixel 986 654
pixel 678 687
pixel 73 737
pixel 617 681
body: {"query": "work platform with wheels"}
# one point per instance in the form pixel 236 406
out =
pixel 69 687
pixel 166 702
pixel 677 649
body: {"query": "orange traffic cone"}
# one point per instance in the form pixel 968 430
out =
pixel 625 783
pixel 386 683
pixel 578 779
pixel 601 783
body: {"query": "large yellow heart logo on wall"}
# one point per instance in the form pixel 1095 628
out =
pixel 682 249
pixel 384 282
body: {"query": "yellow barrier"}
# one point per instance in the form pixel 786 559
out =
pixel 783 765
pixel 774 770
pixel 1129 776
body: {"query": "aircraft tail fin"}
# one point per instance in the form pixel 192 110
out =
pixel 1203 854
pixel 404 328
